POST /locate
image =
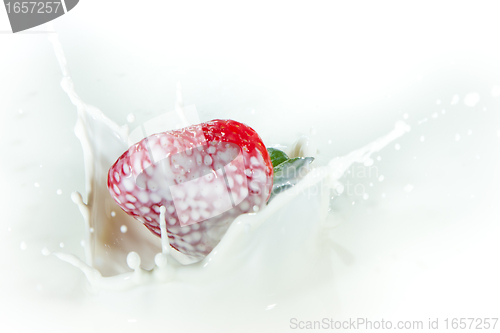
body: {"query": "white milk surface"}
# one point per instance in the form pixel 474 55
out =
pixel 398 220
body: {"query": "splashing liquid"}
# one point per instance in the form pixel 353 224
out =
pixel 263 249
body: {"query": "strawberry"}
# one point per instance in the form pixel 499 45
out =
pixel 205 175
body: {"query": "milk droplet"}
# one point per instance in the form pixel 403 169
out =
pixel 371 184
pixel 339 189
pixel 270 307
pixel 23 246
pixel 256 208
pixel 469 132
pixel 161 260
pixel 438 102
pixel 383 195
pixel 130 118
pixel 495 91
pixel 45 251
pixel 455 99
pixel 397 146
pixel 422 138
pixel 435 115
pixel 91 230
pixel 133 260
pixel 36 185
pixel 457 137
pixel 61 245
pixel 471 99
pixel 366 196
pixel 113 214
pixel 379 158
pixel 165 248
pixel 329 142
pixel 381 178
pixel 405 116
pixel 21 111
pixel 123 229
pixel 443 111
pixel 408 188
pixel 59 192
pixel 82 243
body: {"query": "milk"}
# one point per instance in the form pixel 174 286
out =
pixel 254 245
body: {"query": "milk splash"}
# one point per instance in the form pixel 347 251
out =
pixel 284 240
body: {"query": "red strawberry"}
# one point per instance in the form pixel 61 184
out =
pixel 205 175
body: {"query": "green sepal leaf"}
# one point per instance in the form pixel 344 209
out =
pixel 277 156
pixel 290 169
pixel 288 172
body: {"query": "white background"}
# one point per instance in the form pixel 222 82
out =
pixel 349 70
